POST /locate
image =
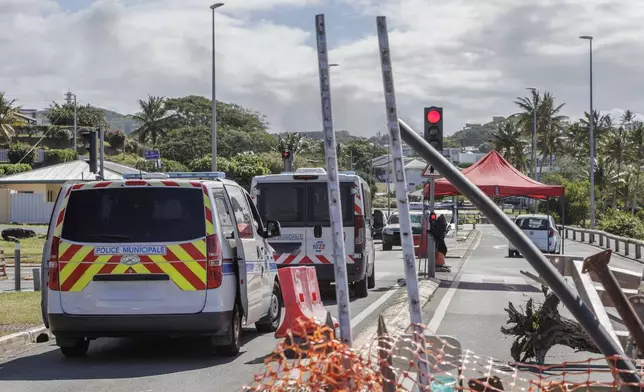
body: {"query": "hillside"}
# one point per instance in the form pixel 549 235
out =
pixel 340 136
pixel 124 122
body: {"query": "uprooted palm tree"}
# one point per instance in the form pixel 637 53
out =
pixel 9 114
pixel 154 118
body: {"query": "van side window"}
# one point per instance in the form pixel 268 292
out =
pixel 259 225
pixel 226 220
pixel 366 196
pixel 241 212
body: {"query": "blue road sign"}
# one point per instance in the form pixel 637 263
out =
pixel 152 155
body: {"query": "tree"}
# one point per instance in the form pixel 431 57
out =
pixel 231 141
pixel 154 119
pixel 246 166
pixel 362 153
pixel 507 140
pixel 238 117
pixel 636 144
pixel 9 114
pixel 86 115
pixel 186 144
pixel 190 111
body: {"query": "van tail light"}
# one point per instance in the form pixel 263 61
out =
pixel 358 234
pixel 214 262
pixel 551 232
pixel 52 276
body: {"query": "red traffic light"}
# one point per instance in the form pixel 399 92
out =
pixel 432 217
pixel 433 116
pixel 286 154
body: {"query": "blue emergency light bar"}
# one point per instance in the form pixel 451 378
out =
pixel 176 175
pixel 200 175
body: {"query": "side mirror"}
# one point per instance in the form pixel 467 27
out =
pixel 273 229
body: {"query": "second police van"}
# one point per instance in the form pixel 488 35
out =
pixel 170 254
pixel 299 201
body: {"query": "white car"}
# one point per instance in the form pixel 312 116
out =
pixel 542 230
pixel 176 254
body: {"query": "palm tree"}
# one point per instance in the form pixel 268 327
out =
pixel 576 141
pixel 550 124
pixel 293 142
pixel 507 140
pixel 614 147
pixel 9 114
pixel 636 142
pixel 154 119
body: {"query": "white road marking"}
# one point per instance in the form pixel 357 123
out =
pixel 372 308
pixel 441 310
pixel 500 246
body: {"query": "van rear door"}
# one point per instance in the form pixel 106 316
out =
pixel 285 202
pixel 319 234
pixel 132 249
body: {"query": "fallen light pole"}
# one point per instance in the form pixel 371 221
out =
pixel 333 187
pixel 584 315
pixel 406 239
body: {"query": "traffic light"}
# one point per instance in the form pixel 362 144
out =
pixel 286 155
pixel 434 127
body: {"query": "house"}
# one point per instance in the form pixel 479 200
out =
pixel 29 197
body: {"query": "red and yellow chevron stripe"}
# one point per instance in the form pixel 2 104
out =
pixel 184 263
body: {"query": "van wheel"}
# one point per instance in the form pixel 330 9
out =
pixel 76 350
pixel 234 333
pixel 372 277
pixel 271 322
pixel 362 287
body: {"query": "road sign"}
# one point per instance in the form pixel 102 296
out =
pixel 429 171
pixel 154 154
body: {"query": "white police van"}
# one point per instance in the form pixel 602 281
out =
pixel 169 254
pixel 299 201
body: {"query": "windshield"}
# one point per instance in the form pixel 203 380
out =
pixel 302 204
pixel 415 219
pixel 149 214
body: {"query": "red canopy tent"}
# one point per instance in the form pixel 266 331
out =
pixel 496 177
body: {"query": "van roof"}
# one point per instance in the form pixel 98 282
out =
pixel 315 173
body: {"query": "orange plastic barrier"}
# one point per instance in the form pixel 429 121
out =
pixel 302 299
pixel 318 309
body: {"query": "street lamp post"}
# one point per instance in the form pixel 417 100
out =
pixel 214 95
pixel 68 98
pixel 534 142
pixel 591 136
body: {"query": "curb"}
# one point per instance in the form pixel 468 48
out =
pixel 396 316
pixel 34 335
pixel 469 240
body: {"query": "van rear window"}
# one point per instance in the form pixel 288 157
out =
pixel 117 215
pixel 534 224
pixel 302 204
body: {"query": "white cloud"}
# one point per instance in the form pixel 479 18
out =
pixel 473 57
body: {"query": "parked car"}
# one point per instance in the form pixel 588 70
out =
pixel 541 230
pixel 391 232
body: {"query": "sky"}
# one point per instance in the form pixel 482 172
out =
pixel 472 57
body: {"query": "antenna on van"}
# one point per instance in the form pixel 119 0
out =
pixel 140 174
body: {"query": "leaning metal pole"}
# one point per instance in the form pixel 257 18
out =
pixel 406 239
pixel 573 302
pixel 333 187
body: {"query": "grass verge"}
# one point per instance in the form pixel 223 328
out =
pixel 19 311
pixel 30 249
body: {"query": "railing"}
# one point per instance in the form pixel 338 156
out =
pixel 605 240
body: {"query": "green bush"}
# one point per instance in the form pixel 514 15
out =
pixel 133 147
pixel 167 165
pixel 8 169
pixel 18 151
pixel 60 134
pixel 116 139
pixel 204 164
pixel 621 223
pixel 53 157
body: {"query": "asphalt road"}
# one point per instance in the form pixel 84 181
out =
pixel 472 308
pixel 116 365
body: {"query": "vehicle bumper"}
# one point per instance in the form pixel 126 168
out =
pixel 393 239
pixel 174 325
pixel 326 272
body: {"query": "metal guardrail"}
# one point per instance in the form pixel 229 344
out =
pixel 605 240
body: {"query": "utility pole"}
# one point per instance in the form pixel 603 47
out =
pixel 68 98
